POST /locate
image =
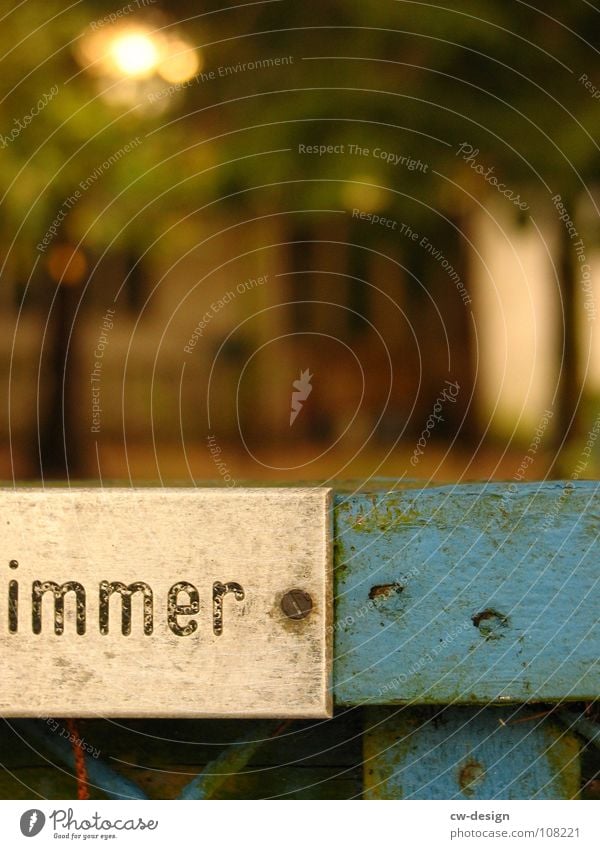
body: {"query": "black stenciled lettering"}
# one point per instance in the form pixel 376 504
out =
pixel 126 592
pixel 178 608
pixel 174 609
pixel 13 606
pixel 38 588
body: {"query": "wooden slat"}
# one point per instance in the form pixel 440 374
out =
pixel 466 753
pixel 472 593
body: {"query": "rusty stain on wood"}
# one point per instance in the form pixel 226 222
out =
pixel 490 623
pixel 469 773
pixel 466 753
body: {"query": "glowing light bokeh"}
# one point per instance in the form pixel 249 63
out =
pixel 132 62
pixel 181 62
pixel 135 53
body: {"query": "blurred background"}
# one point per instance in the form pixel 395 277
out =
pixel 278 241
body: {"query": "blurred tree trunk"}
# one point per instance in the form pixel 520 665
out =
pixel 60 455
pixel 569 386
pixel 445 300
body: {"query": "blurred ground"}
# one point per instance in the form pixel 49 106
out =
pixel 440 463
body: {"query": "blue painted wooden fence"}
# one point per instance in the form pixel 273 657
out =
pixel 472 593
pixel 469 753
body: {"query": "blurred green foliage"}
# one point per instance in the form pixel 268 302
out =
pixel 502 76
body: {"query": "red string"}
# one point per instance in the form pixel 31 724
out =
pixel 79 758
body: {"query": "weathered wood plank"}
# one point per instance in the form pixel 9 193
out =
pixel 472 593
pixel 466 753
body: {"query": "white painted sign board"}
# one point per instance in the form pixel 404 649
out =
pixel 166 602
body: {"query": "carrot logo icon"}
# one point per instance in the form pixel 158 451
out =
pixel 303 389
pixel 32 822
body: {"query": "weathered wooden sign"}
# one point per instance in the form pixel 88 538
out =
pixel 166 602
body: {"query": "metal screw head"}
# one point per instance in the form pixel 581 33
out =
pixel 296 604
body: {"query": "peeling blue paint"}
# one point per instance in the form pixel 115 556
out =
pixel 499 597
